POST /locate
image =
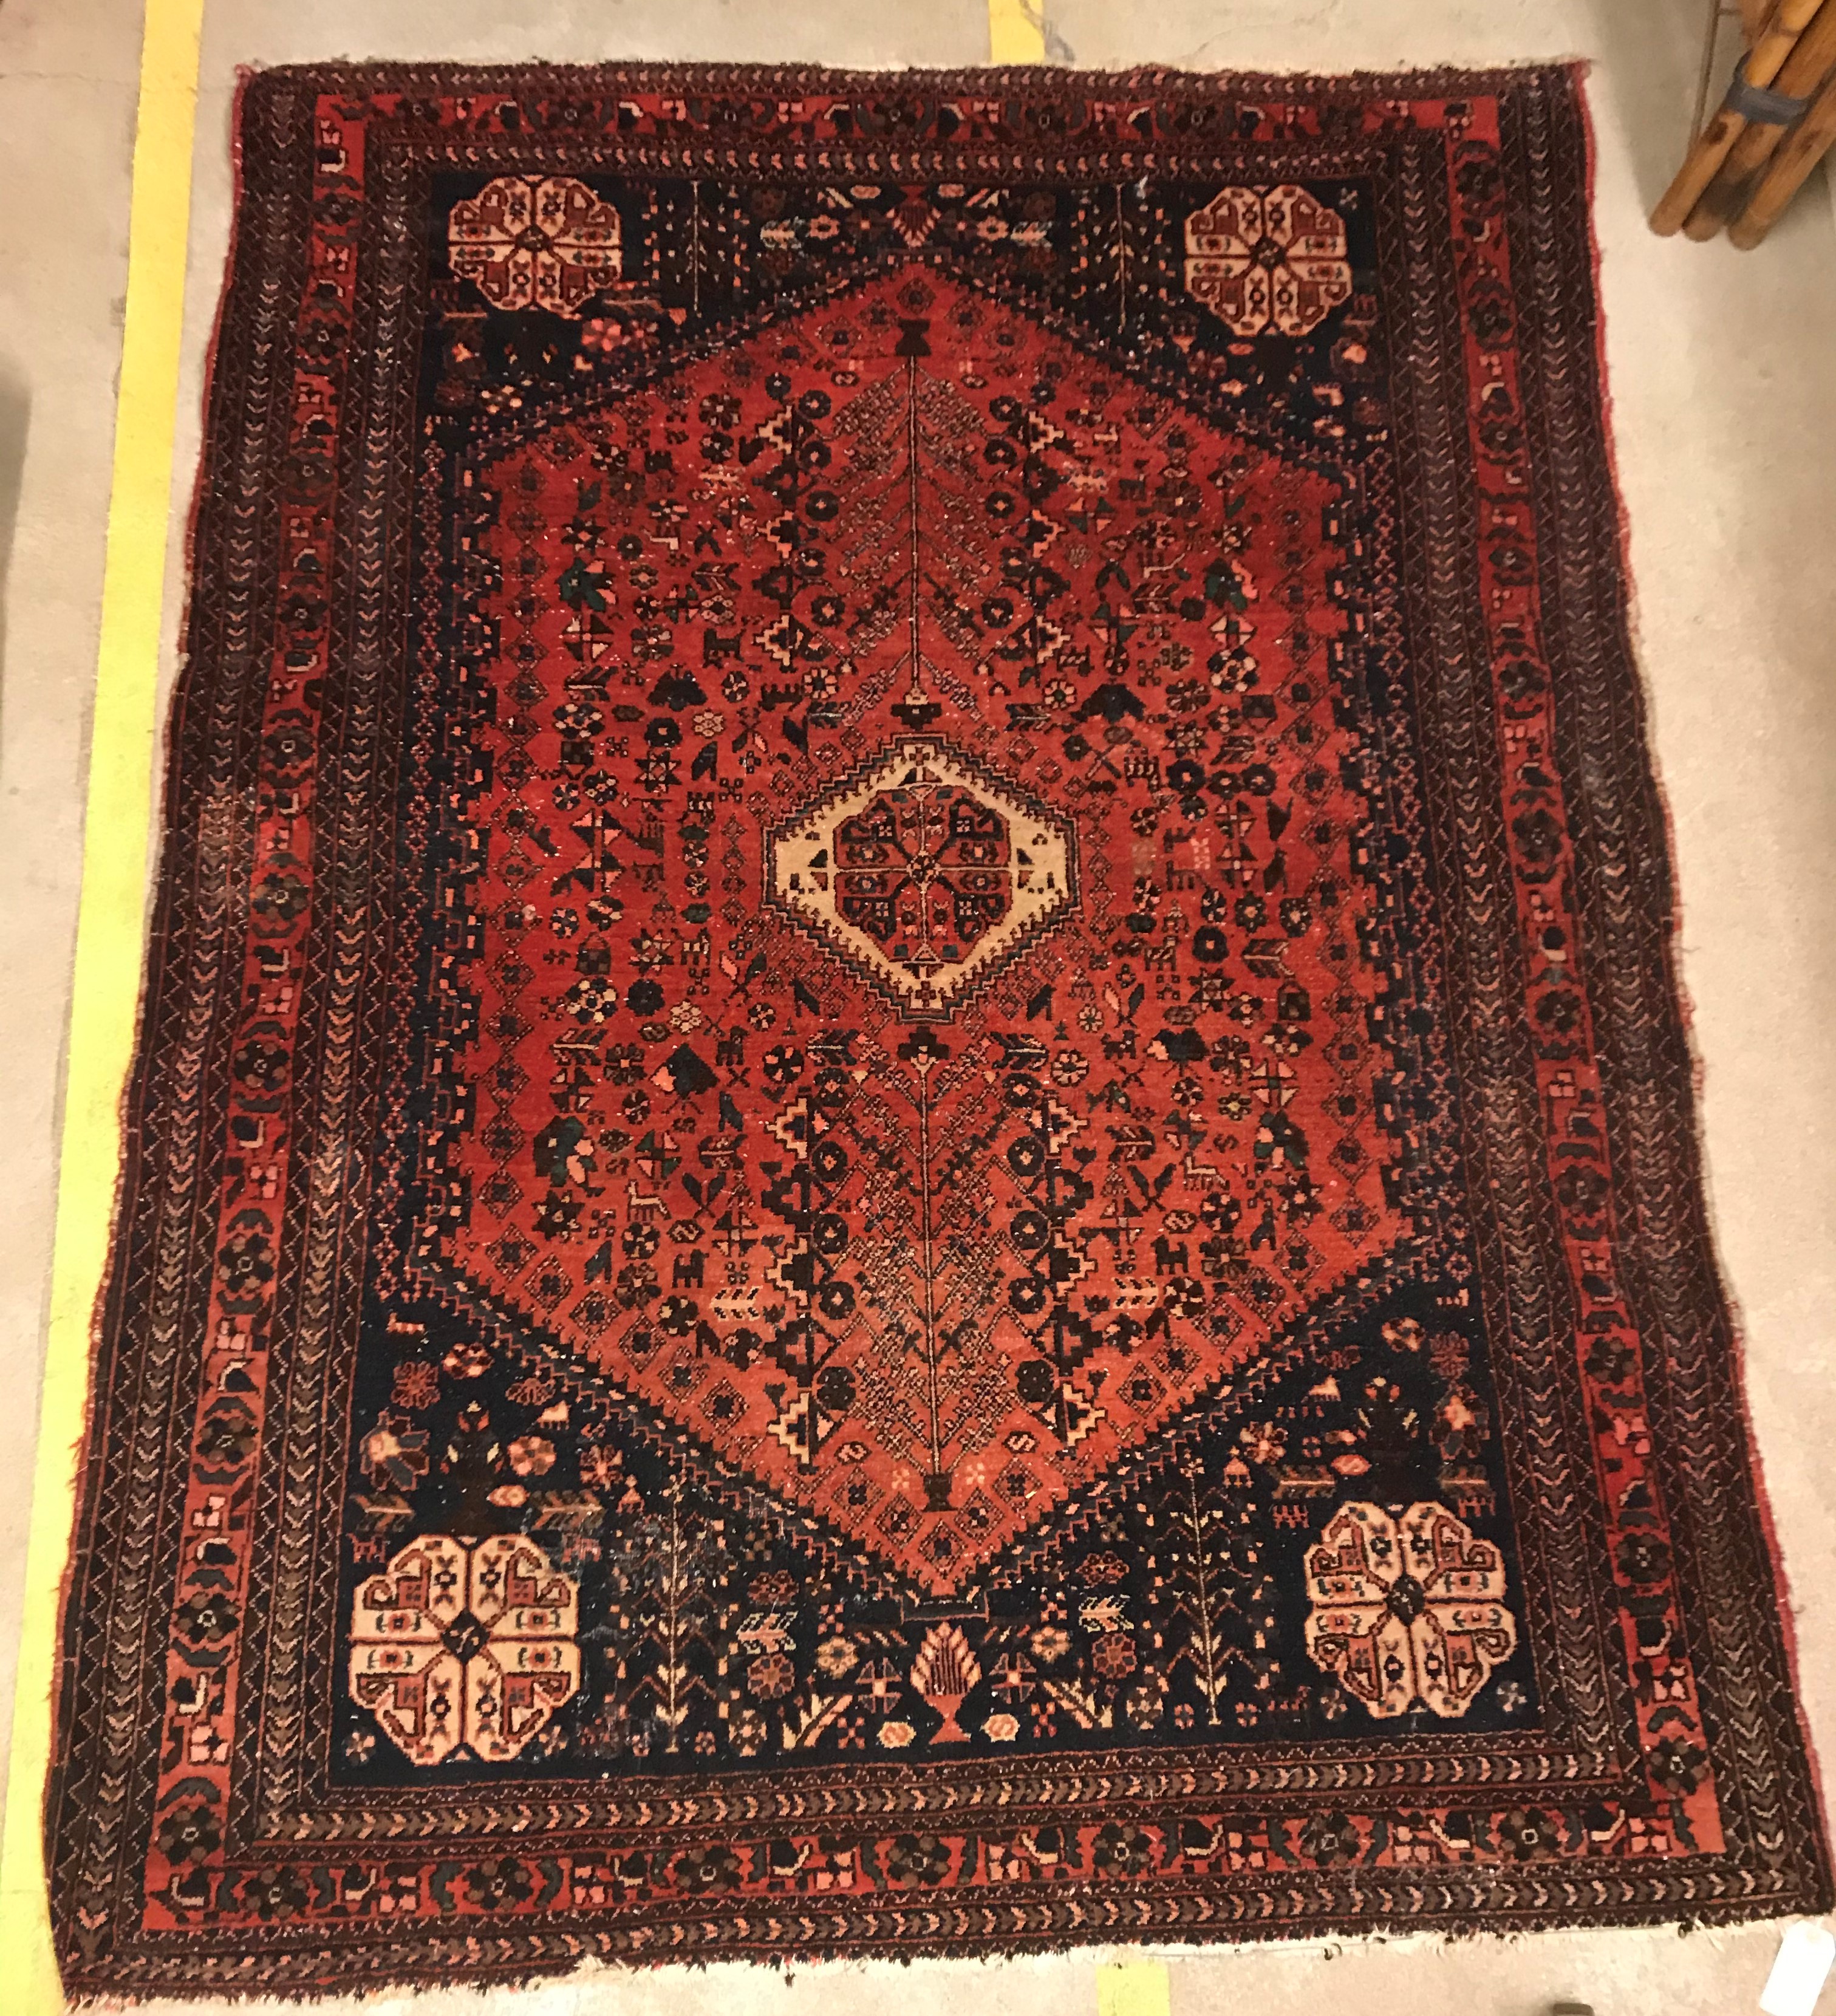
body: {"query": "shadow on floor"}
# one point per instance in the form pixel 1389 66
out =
pixel 15 413
pixel 1645 82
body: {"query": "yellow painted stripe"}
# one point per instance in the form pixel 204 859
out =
pixel 110 927
pixel 1133 1988
pixel 1016 31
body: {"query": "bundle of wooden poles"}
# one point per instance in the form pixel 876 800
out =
pixel 1749 161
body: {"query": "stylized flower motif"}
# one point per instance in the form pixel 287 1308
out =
pixel 917 1858
pixel 395 1455
pixel 1262 259
pixel 771 1674
pixel 1121 1849
pixel 226 1436
pixel 190 1832
pixel 1678 1767
pixel 1112 1657
pixel 499 1885
pixel 1001 1728
pixel 603 335
pixel 837 1656
pixel 246 1262
pixel 748 1732
pixel 1145 1704
pixel 530 242
pixel 531 1455
pixel 1331 1837
pixel 275 1893
pixel 1527 1832
pixel 459 1641
pixel 417 1384
pixel 279 898
pixel 716 1867
pixel 205 1620
pixel 1407 1611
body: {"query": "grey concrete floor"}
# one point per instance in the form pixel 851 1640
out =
pixel 1724 374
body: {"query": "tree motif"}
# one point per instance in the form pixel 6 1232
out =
pixel 945 1671
pixel 1219 1588
pixel 663 1576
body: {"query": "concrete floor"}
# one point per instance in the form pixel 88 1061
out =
pixel 1723 373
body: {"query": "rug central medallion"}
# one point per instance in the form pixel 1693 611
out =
pixel 924 877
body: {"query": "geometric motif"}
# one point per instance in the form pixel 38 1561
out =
pixel 528 241
pixel 924 876
pixel 1408 1610
pixel 457 1644
pixel 1262 259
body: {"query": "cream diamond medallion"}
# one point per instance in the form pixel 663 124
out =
pixel 924 873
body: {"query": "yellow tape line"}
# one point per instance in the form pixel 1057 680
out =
pixel 1133 1988
pixel 110 929
pixel 1016 31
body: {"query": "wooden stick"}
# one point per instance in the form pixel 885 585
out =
pixel 1803 147
pixel 1705 77
pixel 1801 75
pixel 1775 42
pixel 1753 13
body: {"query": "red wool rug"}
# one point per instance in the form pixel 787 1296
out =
pixel 912 1168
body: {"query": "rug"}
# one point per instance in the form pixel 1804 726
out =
pixel 912 1168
